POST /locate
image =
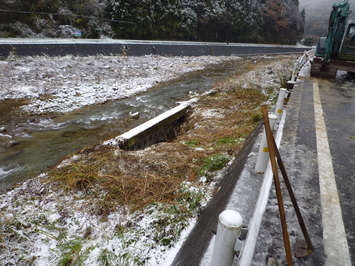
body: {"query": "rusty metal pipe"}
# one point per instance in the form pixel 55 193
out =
pixel 301 252
pixel 270 138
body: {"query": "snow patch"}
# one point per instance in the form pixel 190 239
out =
pixel 65 84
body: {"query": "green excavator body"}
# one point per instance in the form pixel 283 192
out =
pixel 337 50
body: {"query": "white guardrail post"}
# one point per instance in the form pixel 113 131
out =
pixel 294 72
pixel 297 67
pixel 263 155
pixel 280 103
pixel 228 230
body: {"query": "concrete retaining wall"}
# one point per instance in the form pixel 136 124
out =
pixel 57 48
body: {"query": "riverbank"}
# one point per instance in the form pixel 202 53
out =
pixel 55 106
pixel 94 208
pixel 57 85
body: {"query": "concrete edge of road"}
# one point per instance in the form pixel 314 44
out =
pixel 127 41
pixel 130 48
pixel 254 224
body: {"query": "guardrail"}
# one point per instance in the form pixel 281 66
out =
pixel 244 247
pixel 246 250
pixel 298 65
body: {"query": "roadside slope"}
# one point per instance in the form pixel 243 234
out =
pixel 106 205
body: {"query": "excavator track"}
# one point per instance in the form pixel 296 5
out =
pixel 323 69
pixel 329 69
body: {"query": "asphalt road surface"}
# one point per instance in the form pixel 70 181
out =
pixel 338 102
pixel 318 149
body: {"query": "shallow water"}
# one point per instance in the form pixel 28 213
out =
pixel 38 142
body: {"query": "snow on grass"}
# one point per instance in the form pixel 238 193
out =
pixel 53 228
pixel 65 84
pixel 43 224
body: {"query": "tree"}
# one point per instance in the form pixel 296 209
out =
pixel 247 21
pixel 282 21
pixel 145 19
pixel 188 24
pixel 45 16
pixel 277 21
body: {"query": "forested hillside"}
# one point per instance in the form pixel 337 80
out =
pixel 53 18
pixel 261 21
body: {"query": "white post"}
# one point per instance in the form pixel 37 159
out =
pixel 228 229
pixel 263 155
pixel 280 103
pixel 294 72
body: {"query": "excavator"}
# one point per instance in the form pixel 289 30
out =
pixel 337 50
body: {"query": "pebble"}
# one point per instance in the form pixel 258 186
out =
pixel 13 143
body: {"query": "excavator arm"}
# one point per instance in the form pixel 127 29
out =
pixel 337 24
pixel 325 63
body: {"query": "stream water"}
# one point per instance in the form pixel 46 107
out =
pixel 38 142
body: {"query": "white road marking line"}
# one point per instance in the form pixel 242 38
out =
pixel 335 242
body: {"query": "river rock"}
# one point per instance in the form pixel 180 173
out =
pixel 13 143
pixel 5 140
pixel 133 115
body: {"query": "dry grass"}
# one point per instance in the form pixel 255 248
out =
pixel 218 124
pixel 132 178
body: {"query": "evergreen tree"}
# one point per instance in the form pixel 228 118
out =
pixel 276 21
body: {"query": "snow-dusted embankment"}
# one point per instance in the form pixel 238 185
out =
pixel 65 84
